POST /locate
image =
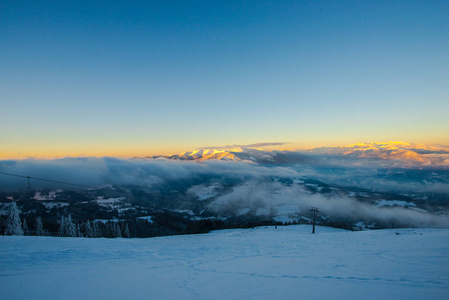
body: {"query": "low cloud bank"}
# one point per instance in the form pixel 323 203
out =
pixel 100 171
pixel 271 196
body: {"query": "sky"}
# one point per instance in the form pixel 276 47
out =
pixel 134 78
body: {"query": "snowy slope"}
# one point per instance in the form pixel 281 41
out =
pixel 260 263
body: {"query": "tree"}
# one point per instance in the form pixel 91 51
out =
pixel 13 224
pixel 78 231
pixel 117 230
pixel 96 229
pixel 39 227
pixel 26 231
pixel 62 227
pixel 67 229
pixel 89 232
pixel 71 228
pixel 113 229
pixel 125 230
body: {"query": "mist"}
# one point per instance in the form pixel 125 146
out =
pixel 93 172
pixel 266 197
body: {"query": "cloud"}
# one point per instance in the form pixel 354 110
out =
pixel 100 171
pixel 270 196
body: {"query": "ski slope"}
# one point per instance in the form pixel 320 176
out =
pixel 261 263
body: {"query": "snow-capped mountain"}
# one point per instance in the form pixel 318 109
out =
pixel 394 154
pixel 262 156
pixel 203 154
pixel 402 153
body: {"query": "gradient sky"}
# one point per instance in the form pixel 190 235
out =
pixel 126 78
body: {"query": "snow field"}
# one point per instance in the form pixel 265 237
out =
pixel 261 263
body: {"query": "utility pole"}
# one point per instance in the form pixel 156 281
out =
pixel 315 210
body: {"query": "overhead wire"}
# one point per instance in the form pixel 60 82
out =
pixel 46 180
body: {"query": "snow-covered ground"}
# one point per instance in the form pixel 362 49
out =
pixel 261 263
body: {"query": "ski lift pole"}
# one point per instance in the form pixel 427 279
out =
pixel 315 210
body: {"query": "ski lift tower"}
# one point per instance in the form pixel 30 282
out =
pixel 315 210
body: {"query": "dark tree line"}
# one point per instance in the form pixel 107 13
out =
pixel 161 223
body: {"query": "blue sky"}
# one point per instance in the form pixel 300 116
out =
pixel 143 77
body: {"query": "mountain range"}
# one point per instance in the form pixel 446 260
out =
pixel 389 153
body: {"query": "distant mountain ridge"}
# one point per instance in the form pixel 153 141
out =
pixel 401 153
pixel 203 154
pixel 261 156
pixel 407 153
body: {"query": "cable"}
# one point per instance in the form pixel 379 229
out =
pixel 42 179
